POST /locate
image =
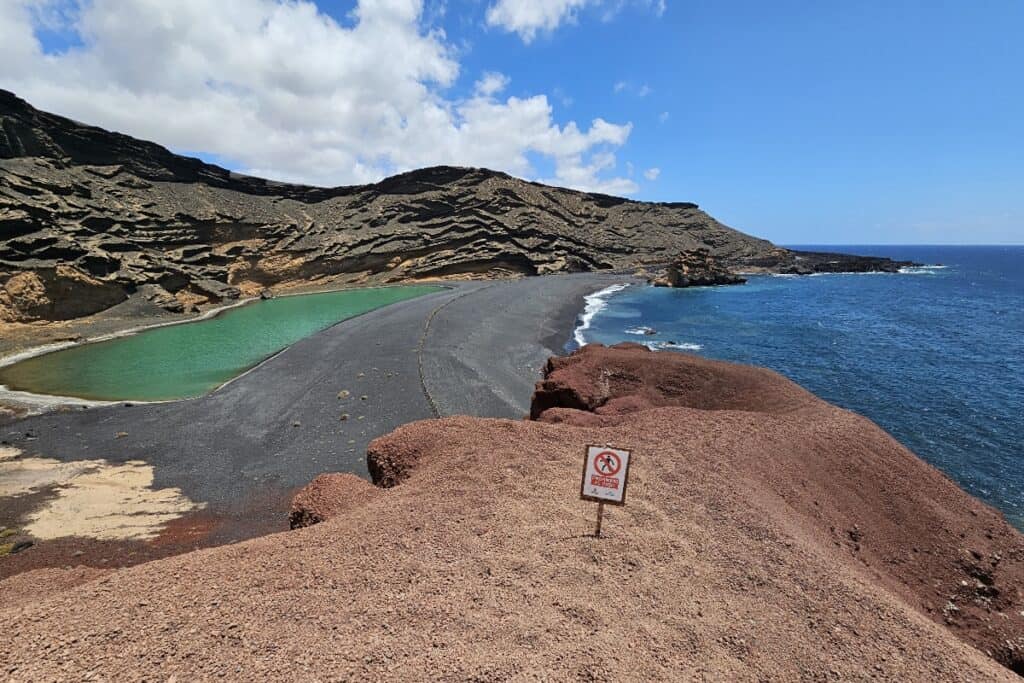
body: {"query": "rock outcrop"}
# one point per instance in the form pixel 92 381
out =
pixel 695 268
pixel 128 213
pixel 328 496
pixel 768 536
pixel 889 515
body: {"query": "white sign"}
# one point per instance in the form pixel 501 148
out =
pixel 605 473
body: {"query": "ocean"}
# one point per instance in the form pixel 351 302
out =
pixel 935 355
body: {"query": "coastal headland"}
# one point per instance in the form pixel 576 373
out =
pixel 91 220
pixel 769 535
pixel 431 479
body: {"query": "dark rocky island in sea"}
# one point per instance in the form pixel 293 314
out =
pixel 89 218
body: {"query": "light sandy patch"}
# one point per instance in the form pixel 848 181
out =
pixel 25 475
pixel 93 498
pixel 8 453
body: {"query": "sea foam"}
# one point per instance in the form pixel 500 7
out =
pixel 921 270
pixel 594 304
pixel 663 345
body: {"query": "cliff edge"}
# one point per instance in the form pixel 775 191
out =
pixel 768 535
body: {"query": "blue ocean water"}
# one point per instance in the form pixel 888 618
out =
pixel 934 355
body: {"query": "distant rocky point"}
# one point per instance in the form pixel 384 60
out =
pixel 89 218
pixel 696 268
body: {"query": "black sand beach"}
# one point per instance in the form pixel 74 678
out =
pixel 474 349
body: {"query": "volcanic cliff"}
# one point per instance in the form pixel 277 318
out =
pixel 768 535
pixel 89 218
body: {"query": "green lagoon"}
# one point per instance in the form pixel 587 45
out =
pixel 191 359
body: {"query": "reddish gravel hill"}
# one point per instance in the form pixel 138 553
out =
pixel 767 535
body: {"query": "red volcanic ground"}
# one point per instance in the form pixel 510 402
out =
pixel 767 534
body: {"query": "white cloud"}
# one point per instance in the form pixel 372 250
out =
pixel 491 84
pixel 663 117
pixel 652 173
pixel 527 18
pixel 644 90
pixel 288 93
pixel 619 87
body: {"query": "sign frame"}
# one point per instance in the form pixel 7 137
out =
pixel 625 475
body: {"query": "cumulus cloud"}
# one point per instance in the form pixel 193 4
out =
pixel 527 18
pixel 284 91
pixel 652 173
pixel 491 84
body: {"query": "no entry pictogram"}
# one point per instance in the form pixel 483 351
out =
pixel 608 463
pixel 605 475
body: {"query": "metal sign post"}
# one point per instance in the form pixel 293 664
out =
pixel 605 475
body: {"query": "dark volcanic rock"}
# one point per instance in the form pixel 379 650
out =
pixel 696 268
pixel 792 262
pixel 126 213
pixel 805 262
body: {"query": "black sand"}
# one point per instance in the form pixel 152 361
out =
pixel 475 349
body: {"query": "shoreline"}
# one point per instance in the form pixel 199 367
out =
pixel 37 403
pixel 278 425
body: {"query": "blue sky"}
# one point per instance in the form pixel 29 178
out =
pixel 829 122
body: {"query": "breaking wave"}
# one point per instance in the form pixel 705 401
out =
pixel 594 304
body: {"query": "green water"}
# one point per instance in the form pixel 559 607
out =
pixel 181 361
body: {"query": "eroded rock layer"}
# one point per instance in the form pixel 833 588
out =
pixel 117 214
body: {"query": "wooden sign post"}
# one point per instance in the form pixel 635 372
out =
pixel 605 475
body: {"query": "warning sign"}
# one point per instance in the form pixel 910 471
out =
pixel 605 473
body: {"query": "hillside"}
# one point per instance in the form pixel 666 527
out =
pixel 767 536
pixel 89 218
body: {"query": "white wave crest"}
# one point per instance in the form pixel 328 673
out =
pixel 642 331
pixel 921 270
pixel 663 345
pixel 594 304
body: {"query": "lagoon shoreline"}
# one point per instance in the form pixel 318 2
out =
pixel 239 452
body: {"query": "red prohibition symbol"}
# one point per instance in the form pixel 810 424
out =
pixel 607 463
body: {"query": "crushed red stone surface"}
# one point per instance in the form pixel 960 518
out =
pixel 768 535
pixel 39 583
pixel 329 495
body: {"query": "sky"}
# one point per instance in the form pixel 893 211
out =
pixel 832 122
